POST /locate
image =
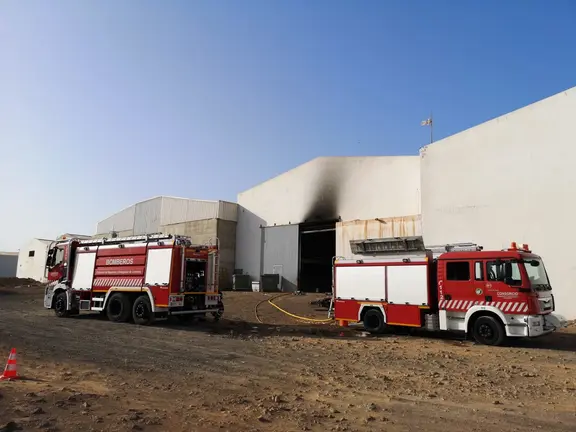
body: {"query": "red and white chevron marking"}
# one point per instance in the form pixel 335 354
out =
pixel 464 305
pixel 122 282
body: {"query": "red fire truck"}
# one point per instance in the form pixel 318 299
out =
pixel 489 294
pixel 139 277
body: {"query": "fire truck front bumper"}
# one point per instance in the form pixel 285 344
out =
pixel 539 325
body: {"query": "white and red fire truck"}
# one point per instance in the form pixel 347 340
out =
pixel 140 278
pixel 488 294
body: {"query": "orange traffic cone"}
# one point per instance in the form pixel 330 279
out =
pixel 10 372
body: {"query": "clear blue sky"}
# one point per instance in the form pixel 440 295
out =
pixel 104 103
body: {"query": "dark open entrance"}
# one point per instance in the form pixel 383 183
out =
pixel 317 248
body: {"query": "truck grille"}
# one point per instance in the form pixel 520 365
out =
pixel 545 304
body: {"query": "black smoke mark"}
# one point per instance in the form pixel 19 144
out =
pixel 325 193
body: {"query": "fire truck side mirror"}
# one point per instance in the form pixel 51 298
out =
pixel 49 258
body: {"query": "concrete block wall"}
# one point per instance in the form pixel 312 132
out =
pixel 206 231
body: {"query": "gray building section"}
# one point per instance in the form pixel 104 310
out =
pixel 205 222
pixel 8 264
pixel 280 245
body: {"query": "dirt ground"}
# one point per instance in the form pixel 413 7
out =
pixel 86 373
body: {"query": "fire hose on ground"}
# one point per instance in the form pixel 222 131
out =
pixel 313 320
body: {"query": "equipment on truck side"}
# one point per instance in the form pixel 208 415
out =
pixel 139 277
pixel 458 287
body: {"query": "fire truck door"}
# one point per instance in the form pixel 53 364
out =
pixel 503 278
pixel 458 286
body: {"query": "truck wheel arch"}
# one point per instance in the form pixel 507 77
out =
pixel 57 290
pixel 132 293
pixel 477 311
pixel 366 307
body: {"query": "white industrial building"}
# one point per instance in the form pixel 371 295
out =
pixel 32 260
pixel 204 221
pixel 509 179
pixel 295 223
pixel 32 257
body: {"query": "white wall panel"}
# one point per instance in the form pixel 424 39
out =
pixel 198 210
pixel 350 187
pixel 174 210
pixel 228 211
pixel 147 216
pixel 510 179
pixel 121 221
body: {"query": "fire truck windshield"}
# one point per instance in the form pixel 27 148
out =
pixel 537 274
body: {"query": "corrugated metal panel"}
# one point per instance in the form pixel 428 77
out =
pixel 374 228
pixel 228 211
pixel 173 210
pixel 147 216
pixel 281 249
pixel 199 210
pixel 121 221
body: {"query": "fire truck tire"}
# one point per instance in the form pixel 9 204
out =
pixel 488 330
pixel 118 308
pixel 374 321
pixel 142 311
pixel 60 302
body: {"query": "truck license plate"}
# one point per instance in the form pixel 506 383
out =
pixel 176 301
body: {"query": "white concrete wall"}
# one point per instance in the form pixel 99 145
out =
pixel 33 267
pixel 346 187
pixel 510 179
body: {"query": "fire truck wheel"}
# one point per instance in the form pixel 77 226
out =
pixel 60 308
pixel 374 321
pixel 118 308
pixel 142 311
pixel 488 331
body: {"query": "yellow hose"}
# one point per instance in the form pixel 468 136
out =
pixel 296 316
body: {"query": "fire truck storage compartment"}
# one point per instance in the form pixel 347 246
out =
pixel 361 283
pixel 317 249
pixel 84 271
pixel 195 275
pixel 406 284
pixel 158 265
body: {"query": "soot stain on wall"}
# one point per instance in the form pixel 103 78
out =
pixel 325 200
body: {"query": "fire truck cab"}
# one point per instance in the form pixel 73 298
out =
pixel 491 295
pixel 140 278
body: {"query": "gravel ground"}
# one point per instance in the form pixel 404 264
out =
pixel 282 375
